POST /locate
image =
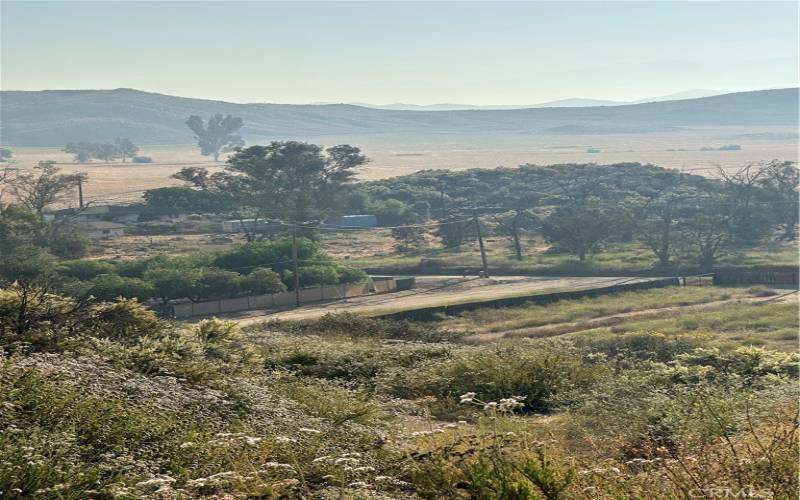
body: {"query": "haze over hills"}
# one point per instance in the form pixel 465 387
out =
pixel 55 117
pixel 576 102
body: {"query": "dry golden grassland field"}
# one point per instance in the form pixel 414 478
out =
pixel 400 154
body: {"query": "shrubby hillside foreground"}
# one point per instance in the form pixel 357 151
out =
pixel 105 400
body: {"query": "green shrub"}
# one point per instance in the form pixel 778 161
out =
pixel 539 375
pixel 203 352
pixel 112 286
pixel 653 346
pixel 351 275
pixel 33 318
pixel 123 320
pixel 172 283
pixel 491 465
pixel 273 254
pixel 750 363
pixel 85 269
pixel 356 325
pixel 77 445
pixel 70 245
pixel 215 283
pixel 261 281
pixel 364 363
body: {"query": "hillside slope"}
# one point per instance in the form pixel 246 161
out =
pixel 52 118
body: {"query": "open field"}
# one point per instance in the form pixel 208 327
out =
pixel 399 154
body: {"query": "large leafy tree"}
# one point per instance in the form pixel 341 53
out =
pixel 179 199
pixel 705 224
pixel 81 152
pixel 126 148
pixel 654 221
pixel 513 224
pixel 780 182
pixel 196 176
pixel 5 155
pixel 579 230
pixel 217 135
pixel 44 186
pixel 294 181
pixel 750 216
pixel 106 151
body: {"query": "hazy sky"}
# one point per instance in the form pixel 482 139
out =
pixel 476 53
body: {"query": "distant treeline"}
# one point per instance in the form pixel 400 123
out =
pixel 123 148
pixel 578 208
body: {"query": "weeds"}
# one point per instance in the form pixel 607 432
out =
pixel 110 402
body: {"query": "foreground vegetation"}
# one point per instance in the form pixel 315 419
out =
pixel 105 400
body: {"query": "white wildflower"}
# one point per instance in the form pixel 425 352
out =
pixel 251 440
pixel 468 397
pixel 276 465
pixel 510 404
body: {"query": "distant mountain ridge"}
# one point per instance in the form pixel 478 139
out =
pixel 575 102
pixel 55 117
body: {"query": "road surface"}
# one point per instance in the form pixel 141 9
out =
pixel 434 291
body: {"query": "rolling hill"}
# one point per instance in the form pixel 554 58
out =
pixel 55 117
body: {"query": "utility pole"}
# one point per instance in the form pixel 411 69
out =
pixel 295 267
pixel 480 243
pixel 80 193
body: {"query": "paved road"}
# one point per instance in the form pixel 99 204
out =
pixel 435 291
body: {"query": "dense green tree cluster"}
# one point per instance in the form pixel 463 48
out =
pixel 249 269
pixel 82 152
pixel 580 209
pixel 28 244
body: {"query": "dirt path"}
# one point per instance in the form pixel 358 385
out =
pixel 556 329
pixel 434 291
